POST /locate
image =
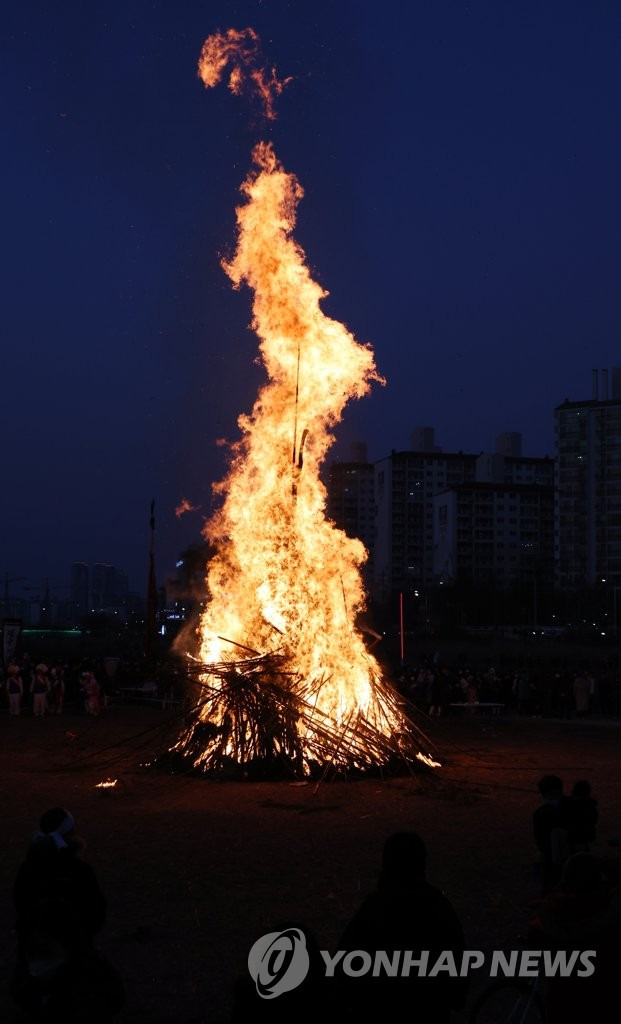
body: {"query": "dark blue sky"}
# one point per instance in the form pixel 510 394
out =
pixel 461 164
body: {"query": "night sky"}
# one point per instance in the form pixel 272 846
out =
pixel 461 165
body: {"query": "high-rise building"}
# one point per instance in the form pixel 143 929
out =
pixel 496 533
pixel 588 487
pixel 405 486
pixel 351 502
pixel 120 587
pixel 99 585
pixel 79 588
pixel 407 556
pixel 109 587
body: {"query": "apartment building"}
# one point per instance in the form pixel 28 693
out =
pixel 588 486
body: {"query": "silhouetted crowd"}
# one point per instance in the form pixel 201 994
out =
pixel 580 906
pixel 534 691
pixel 61 975
pixel 44 689
pixel 47 687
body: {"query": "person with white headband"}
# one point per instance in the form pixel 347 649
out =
pixel 60 974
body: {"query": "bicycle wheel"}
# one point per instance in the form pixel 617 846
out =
pixel 508 1001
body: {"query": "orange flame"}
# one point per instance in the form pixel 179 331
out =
pixel 241 49
pixel 429 761
pixel 285 583
pixel 284 576
pixel 185 506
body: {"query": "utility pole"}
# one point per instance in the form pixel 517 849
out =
pixel 151 588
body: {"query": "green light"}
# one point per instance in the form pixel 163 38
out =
pixel 56 632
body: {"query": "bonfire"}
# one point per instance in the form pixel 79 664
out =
pixel 283 675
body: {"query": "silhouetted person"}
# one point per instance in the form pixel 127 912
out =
pixel 405 913
pixel 551 829
pixel 584 913
pixel 15 689
pixel 39 689
pixel 582 694
pixel 60 975
pixel 57 690
pixel 584 816
pixel 438 694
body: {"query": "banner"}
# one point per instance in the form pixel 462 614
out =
pixel 11 628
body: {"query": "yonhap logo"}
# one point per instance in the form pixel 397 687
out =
pixel 279 962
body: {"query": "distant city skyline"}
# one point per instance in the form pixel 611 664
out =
pixel 23 586
pixel 605 381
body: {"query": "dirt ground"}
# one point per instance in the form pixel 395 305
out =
pixel 195 870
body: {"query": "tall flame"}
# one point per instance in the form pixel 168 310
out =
pixel 285 578
pixel 280 654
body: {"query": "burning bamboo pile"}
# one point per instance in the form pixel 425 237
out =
pixel 257 715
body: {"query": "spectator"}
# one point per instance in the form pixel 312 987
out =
pixel 551 829
pixel 15 688
pixel 40 688
pixel 584 914
pixel 582 694
pixel 57 690
pixel 405 913
pixel 522 692
pixel 60 974
pixel 92 693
